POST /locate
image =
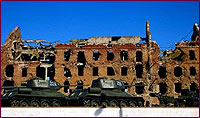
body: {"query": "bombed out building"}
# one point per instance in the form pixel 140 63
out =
pixel 134 60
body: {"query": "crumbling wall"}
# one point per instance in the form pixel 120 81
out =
pixel 122 58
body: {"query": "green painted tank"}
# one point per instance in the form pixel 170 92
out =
pixel 105 93
pixel 37 92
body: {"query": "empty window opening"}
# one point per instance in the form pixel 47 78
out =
pixel 124 71
pixel 67 72
pixel 178 71
pixel 192 71
pixel 163 88
pixel 51 72
pixel 139 88
pixel 9 70
pixel 26 57
pixel 110 71
pixel 139 70
pixel 24 72
pixel 8 83
pixel 192 54
pixel 162 72
pixel 15 45
pixel 96 55
pixel 81 57
pixel 110 56
pixel 40 72
pixel 95 71
pixel 67 55
pixel 50 59
pixel 178 87
pixel 116 38
pixel 124 55
pixel 79 84
pixel 66 88
pixel 138 56
pixel 147 104
pixel 80 70
pixel 193 86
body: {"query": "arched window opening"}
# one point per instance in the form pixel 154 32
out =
pixel 162 72
pixel 139 70
pixel 178 71
pixel 163 88
pixel 138 56
pixel 9 70
pixel 139 88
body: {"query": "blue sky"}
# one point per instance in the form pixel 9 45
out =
pixel 170 21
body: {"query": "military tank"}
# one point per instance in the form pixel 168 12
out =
pixel 104 93
pixel 44 93
pixel 37 92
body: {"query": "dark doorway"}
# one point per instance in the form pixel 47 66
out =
pixel 138 56
pixel 124 55
pixel 110 56
pixel 24 72
pixel 139 88
pixel 178 87
pixel 139 70
pixel 192 71
pixel 67 55
pixel 124 71
pixel 163 88
pixel 178 71
pixel 162 72
pixel 9 70
pixel 110 71
pixel 81 57
pixel 40 72
pixel 95 71
pixel 51 72
pixel 192 54
pixel 80 70
pixel 96 55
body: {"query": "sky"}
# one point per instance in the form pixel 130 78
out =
pixel 170 21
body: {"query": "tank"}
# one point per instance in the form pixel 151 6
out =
pixel 165 101
pixel 37 92
pixel 105 93
pixel 188 98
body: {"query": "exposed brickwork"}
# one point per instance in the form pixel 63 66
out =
pixel 185 56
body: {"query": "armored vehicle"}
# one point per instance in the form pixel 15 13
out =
pixel 188 98
pixel 165 101
pixel 37 92
pixel 105 93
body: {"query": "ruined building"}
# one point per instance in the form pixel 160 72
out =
pixel 124 58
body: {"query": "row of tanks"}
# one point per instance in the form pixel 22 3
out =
pixel 102 93
pixel 44 93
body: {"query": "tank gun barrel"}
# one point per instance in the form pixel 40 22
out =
pixel 135 85
pixel 74 85
pixel 12 87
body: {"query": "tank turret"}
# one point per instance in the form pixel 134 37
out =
pixel 37 92
pixel 106 93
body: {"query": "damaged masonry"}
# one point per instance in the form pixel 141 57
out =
pixel 123 58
